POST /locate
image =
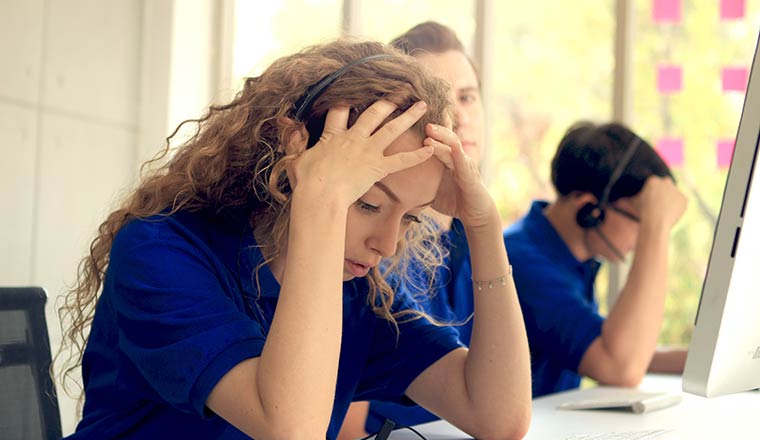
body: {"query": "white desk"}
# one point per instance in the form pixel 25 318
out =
pixel 734 417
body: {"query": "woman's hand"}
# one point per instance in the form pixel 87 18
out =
pixel 346 162
pixel 462 193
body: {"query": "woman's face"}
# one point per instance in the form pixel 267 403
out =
pixel 378 220
pixel 469 124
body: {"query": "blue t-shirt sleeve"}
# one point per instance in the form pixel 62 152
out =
pixel 179 323
pixel 396 359
pixel 560 323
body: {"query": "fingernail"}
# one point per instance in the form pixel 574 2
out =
pixel 420 105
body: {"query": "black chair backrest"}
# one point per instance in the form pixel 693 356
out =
pixel 28 401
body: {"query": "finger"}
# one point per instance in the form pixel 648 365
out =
pixel 441 151
pixel 372 117
pixel 458 155
pixel 448 137
pixel 442 134
pixel 401 161
pixel 394 128
pixel 337 119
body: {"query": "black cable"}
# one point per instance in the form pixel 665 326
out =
pixel 388 427
pixel 414 431
pixel 384 431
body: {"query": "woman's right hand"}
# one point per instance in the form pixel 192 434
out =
pixel 346 162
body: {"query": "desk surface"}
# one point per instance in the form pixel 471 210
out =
pixel 734 416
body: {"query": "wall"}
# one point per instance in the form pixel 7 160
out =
pixel 85 97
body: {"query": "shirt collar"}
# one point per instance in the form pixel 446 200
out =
pixel 542 231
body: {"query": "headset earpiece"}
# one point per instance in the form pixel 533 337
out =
pixel 590 216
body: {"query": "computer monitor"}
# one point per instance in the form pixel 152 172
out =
pixel 724 353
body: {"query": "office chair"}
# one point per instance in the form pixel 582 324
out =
pixel 28 401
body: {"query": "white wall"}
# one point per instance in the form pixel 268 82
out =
pixel 85 97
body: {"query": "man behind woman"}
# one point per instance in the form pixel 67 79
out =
pixel 439 49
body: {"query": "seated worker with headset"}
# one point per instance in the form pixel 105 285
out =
pixel 615 196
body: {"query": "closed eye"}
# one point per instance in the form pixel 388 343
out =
pixel 408 219
pixel 367 207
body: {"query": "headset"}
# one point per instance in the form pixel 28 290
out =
pixel 302 106
pixel 591 215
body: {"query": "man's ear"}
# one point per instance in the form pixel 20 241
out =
pixel 580 198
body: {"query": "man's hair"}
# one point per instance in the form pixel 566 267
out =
pixel 588 153
pixel 429 36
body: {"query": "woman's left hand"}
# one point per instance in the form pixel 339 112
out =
pixel 462 193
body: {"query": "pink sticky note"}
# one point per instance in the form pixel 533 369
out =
pixel 666 11
pixel 734 79
pixel 725 152
pixel 671 151
pixel 732 9
pixel 669 79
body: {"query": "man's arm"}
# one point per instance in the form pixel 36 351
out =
pixel 624 351
pixel 668 360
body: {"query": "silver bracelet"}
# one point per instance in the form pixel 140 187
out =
pixel 502 280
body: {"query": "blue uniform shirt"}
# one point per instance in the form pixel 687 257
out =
pixel 452 302
pixel 181 306
pixel 556 294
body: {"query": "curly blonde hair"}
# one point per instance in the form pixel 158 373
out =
pixel 235 160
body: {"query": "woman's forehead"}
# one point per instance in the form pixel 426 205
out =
pixel 415 186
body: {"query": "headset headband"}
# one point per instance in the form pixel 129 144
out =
pixel 304 103
pixel 618 171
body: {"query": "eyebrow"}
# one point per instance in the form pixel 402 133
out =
pixel 391 195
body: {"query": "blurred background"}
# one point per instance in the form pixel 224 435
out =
pixel 89 89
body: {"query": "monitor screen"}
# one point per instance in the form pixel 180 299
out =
pixel 724 353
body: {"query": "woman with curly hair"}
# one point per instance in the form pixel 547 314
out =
pixel 239 292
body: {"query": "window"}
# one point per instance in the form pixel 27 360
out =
pixel 551 65
pixel 385 20
pixel 691 61
pixel 264 31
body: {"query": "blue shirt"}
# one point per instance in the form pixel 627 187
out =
pixel 556 294
pixel 452 302
pixel 182 304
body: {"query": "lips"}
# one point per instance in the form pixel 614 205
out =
pixel 357 269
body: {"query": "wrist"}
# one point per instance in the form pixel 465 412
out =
pixel 314 201
pixel 486 224
pixel 656 227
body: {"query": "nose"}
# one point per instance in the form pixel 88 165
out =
pixel 461 118
pixel 385 239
